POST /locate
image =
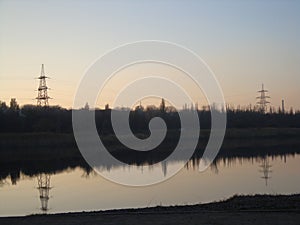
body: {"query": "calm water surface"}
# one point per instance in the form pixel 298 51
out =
pixel 77 190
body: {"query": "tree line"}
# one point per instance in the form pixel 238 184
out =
pixel 31 118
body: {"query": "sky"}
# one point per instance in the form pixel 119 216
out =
pixel 245 43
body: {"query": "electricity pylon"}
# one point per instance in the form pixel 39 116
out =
pixel 262 99
pixel 42 98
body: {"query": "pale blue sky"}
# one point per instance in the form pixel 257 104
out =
pixel 244 42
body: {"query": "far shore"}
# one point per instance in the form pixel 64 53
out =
pixel 16 147
pixel 239 210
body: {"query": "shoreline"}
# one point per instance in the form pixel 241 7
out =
pixel 16 147
pixel 34 155
pixel 244 209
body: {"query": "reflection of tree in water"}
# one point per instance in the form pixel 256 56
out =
pixel 231 161
pixel 88 172
pixel 3 182
pixel 44 189
pixel 16 171
pixel 214 167
pixel 164 167
pixel 266 169
pixel 14 177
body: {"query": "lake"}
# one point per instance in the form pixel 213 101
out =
pixel 76 188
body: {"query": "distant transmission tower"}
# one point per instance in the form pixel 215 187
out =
pixel 42 98
pixel 262 99
pixel 44 189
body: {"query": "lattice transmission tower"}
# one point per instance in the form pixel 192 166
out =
pixel 263 99
pixel 44 189
pixel 42 98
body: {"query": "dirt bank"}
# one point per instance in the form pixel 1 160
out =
pixel 252 210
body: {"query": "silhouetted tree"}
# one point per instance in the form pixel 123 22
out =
pixel 3 106
pixel 30 118
pixel 13 105
pixel 86 106
pixel 162 106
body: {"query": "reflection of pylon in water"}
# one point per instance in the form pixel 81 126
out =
pixel 44 188
pixel 266 169
pixel 164 167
